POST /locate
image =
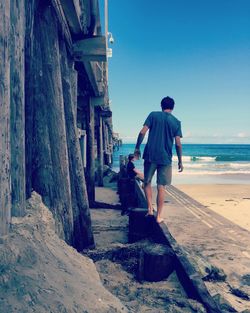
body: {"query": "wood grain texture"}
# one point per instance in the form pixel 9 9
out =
pixel 5 184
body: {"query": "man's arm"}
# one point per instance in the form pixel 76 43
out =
pixel 178 148
pixel 140 138
pixel 137 171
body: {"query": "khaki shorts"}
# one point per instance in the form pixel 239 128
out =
pixel 164 173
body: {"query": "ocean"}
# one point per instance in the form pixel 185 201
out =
pixel 203 163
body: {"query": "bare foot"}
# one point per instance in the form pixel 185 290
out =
pixel 159 220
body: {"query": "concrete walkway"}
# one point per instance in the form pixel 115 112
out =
pixel 209 237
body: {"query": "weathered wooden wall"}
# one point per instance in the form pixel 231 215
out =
pixel 46 93
pixel 39 146
pixel 55 164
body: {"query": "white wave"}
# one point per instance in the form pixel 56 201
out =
pixel 186 158
pixel 199 173
pixel 220 166
pixel 194 166
pixel 241 165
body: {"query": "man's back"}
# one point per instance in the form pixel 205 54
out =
pixel 163 127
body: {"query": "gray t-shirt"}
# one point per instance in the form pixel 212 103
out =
pixel 163 127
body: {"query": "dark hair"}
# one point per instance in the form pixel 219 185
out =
pixel 131 156
pixel 167 103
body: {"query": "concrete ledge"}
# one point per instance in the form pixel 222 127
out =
pixel 187 274
pixel 140 197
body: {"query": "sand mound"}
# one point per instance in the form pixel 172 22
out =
pixel 41 273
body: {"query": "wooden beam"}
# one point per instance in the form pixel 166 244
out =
pixel 93 80
pixel 62 21
pixel 72 12
pixel 91 49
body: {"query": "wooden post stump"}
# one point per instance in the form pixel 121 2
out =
pixel 127 192
pixel 156 263
pixel 139 224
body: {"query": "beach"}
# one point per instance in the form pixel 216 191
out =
pixel 211 223
pixel 229 200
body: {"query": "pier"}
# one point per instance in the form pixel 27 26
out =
pixel 55 121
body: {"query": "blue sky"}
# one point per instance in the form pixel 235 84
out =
pixel 196 51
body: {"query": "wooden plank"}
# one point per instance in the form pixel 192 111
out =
pixel 64 26
pixel 72 13
pixel 91 49
pixel 98 92
pixel 5 189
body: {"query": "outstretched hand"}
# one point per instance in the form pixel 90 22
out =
pixel 137 154
pixel 180 167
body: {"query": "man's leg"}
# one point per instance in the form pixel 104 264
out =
pixel 164 176
pixel 160 202
pixel 149 170
pixel 148 194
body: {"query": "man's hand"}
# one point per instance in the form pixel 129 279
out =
pixel 137 154
pixel 180 167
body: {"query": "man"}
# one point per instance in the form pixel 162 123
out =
pixel 163 128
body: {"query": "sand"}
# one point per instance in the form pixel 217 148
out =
pixel 117 263
pixel 230 201
pixel 198 217
pixel 41 273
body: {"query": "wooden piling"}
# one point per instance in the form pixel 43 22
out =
pixel 82 231
pixel 5 184
pixel 139 224
pixel 157 262
pixel 17 108
pixel 91 152
pixel 49 155
pixel 100 151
